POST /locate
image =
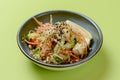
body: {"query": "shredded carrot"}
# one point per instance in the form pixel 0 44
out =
pixel 39 23
pixel 74 56
pixel 42 29
pixel 32 43
pixel 48 44
pixel 66 51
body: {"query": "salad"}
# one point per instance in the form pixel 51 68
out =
pixel 62 42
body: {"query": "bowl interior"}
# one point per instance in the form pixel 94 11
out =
pixel 80 19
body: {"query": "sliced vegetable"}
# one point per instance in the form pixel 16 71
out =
pixel 78 29
pixel 36 53
pixel 32 36
pixel 57 48
pixel 79 49
pixel 68 46
pixel 58 58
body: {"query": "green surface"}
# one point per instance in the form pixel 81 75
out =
pixel 104 66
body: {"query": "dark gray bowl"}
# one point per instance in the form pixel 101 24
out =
pixel 61 15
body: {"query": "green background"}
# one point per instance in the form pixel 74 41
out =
pixel 104 66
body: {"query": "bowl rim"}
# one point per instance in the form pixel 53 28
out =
pixel 61 65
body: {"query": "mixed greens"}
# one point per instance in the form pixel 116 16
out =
pixel 63 42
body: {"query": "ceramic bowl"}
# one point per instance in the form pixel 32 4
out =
pixel 61 15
